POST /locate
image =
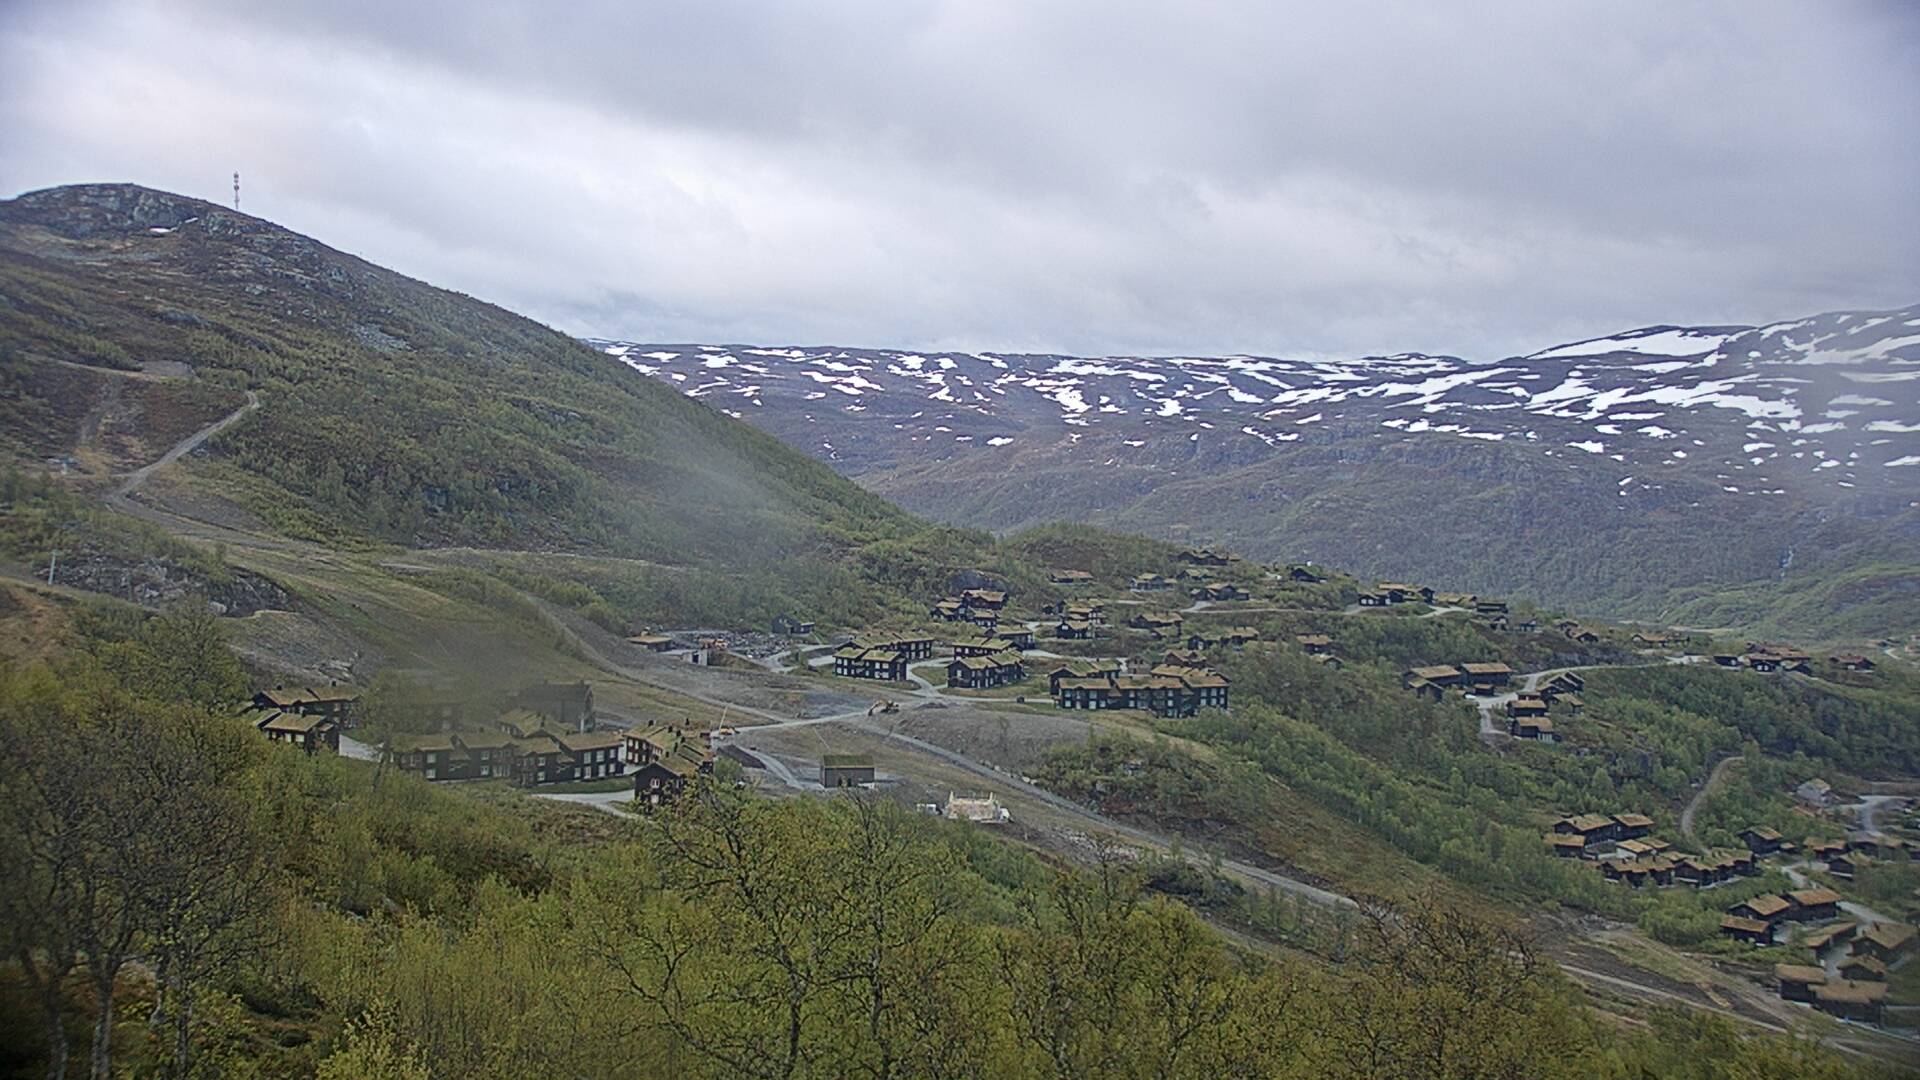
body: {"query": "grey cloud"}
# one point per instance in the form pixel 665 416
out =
pixel 1075 176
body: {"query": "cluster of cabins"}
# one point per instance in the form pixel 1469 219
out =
pixel 1206 556
pixel 1756 920
pixel 1528 714
pixel 981 607
pixel 1476 678
pixel 1771 658
pixel 986 663
pixel 529 749
pixel 1199 563
pixel 1626 851
pixel 1846 858
pixel 547 736
pixel 1181 685
pixel 989 659
pixel 525 748
pixel 1080 620
pixel 309 717
pixel 1768 659
pixel 1389 593
pixel 1588 836
pixel 1851 979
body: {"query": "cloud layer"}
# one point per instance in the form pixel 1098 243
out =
pixel 1078 176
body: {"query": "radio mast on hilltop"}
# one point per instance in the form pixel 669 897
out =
pixel 236 191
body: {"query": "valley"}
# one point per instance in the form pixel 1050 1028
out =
pixel 464 507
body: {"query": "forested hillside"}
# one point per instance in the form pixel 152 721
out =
pixel 311 916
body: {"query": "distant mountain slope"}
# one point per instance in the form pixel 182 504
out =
pixel 391 410
pixel 1641 473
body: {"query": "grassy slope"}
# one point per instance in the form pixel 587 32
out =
pixel 393 410
pixel 398 417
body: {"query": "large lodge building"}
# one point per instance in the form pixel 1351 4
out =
pixel 886 660
pixel 1169 690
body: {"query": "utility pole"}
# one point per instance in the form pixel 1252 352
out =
pixel 236 191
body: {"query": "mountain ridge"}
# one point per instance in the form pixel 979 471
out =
pixel 1729 447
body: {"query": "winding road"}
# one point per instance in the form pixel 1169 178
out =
pixel 121 495
pixel 1531 681
pixel 860 721
pixel 1716 778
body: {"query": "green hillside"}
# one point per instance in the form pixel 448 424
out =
pixel 392 411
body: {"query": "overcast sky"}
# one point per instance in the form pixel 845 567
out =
pixel 1098 176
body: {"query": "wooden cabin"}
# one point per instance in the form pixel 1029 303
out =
pixel 1526 706
pixel 857 662
pixel 1850 1000
pixel 311 733
pixel 332 701
pixel 1766 907
pixel 1315 644
pixel 1885 942
pixel 1532 728
pixel 1751 931
pixel 985 671
pixel 1812 905
pixel 1797 982
pixel 665 778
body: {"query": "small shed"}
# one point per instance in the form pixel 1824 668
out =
pixel 846 770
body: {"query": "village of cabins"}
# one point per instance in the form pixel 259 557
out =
pixel 550 733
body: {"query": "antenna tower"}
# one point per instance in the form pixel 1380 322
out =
pixel 236 191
